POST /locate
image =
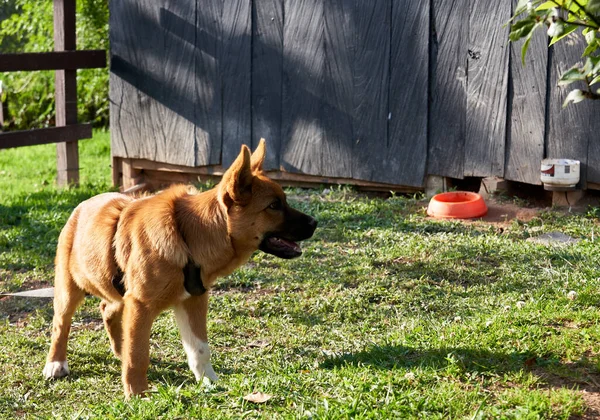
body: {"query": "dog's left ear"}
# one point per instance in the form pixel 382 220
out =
pixel 258 157
pixel 236 185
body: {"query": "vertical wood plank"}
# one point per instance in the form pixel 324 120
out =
pixel 136 80
pixel 153 81
pixel 572 131
pixel 592 126
pixel 267 62
pixel 303 62
pixel 208 98
pixel 3 113
pixel 67 155
pixel 371 85
pixel 409 71
pixel 487 84
pixel 336 117
pixel 235 64
pixel 174 109
pixel 448 84
pixel 121 93
pixel 527 110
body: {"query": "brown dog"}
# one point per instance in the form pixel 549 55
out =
pixel 143 256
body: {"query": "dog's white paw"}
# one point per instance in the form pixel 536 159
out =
pixel 209 374
pixel 54 370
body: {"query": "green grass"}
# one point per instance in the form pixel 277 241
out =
pixel 386 315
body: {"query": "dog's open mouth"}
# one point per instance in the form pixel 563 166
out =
pixel 282 248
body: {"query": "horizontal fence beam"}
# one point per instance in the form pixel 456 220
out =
pixel 45 135
pixel 57 60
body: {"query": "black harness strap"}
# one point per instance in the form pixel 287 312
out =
pixel 191 274
pixel 193 279
pixel 117 281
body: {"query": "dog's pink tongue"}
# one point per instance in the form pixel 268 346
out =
pixel 290 244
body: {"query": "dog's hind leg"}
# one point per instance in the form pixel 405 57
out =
pixel 67 297
pixel 135 353
pixel 191 320
pixel 112 315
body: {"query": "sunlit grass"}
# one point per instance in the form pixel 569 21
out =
pixel 386 315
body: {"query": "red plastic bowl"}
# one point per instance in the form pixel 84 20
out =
pixel 457 205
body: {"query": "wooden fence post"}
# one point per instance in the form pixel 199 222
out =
pixel 67 155
pixel 3 114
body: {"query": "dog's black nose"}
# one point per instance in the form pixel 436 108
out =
pixel 313 223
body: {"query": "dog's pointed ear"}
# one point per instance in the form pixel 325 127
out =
pixel 236 185
pixel 258 157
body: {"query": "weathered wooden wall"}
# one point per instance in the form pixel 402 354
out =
pixel 383 90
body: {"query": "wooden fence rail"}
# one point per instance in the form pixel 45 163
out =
pixel 65 60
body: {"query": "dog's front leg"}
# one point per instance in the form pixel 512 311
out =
pixel 191 320
pixel 135 352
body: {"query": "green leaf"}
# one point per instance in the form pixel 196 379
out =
pixel 595 80
pixel 526 43
pixel 522 28
pixel 593 7
pixel 590 49
pixel 596 64
pixel 548 5
pixel 574 74
pixel 574 96
pixel 568 28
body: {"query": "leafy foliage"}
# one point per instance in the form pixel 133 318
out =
pixel 561 18
pixel 30 95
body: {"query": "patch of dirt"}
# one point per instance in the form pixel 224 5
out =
pixel 502 213
pixel 592 401
pixel 588 386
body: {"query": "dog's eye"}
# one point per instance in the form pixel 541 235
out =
pixel 275 205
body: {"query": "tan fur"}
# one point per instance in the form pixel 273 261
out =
pixel 151 240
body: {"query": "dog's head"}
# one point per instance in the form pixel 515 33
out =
pixel 259 216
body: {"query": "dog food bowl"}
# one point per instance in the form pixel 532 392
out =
pixel 457 205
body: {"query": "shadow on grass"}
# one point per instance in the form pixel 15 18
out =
pixel 582 375
pixel 33 222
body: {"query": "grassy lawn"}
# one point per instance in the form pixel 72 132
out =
pixel 386 315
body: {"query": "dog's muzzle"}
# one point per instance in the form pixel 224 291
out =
pixel 282 243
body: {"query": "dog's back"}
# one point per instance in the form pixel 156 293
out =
pixel 86 244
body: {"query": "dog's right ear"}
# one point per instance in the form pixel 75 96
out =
pixel 258 157
pixel 236 185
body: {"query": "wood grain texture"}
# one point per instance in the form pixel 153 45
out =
pixel 153 80
pixel 337 102
pixel 57 60
pixel 67 154
pixel 69 133
pixel 592 125
pixel 370 87
pixel 303 66
pixel 572 131
pixel 135 78
pixel 487 84
pixel 208 98
pixel 267 62
pixel 175 140
pixel 406 157
pixel 235 64
pixel 448 84
pixel 527 110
